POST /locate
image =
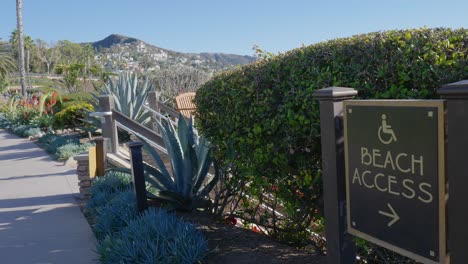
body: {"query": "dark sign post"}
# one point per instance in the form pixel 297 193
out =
pixel 456 95
pixel 395 175
pixel 340 245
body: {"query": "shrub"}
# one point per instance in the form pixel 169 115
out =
pixel 106 187
pixel 155 237
pixel 265 114
pixel 20 129
pixel 115 214
pixel 74 98
pixel 72 116
pixel 50 142
pixel 69 150
pixel 112 203
pixel 32 132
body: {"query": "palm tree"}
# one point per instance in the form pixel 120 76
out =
pixel 7 63
pixel 19 19
pixel 28 44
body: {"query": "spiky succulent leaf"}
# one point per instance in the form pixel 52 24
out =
pixel 164 182
pixel 167 179
pixel 129 96
pixel 211 182
pixel 190 161
pixel 174 150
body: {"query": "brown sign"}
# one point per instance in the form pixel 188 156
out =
pixel 395 175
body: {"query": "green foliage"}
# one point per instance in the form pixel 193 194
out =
pixel 129 95
pixel 7 63
pixel 72 115
pixel 51 142
pixel 107 187
pixel 266 115
pixel 115 214
pixel 155 237
pixel 33 110
pixel 190 159
pixel 126 237
pixel 69 150
pixel 74 98
pixel 18 129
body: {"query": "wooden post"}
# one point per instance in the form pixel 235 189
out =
pixel 136 160
pixel 101 155
pixel 153 100
pixel 109 129
pixel 340 246
pixel 456 95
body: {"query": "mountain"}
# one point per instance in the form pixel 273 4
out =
pixel 119 52
pixel 113 40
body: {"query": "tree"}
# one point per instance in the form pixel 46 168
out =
pixel 19 20
pixel 29 45
pixel 174 80
pixel 7 65
pixel 72 73
pixel 70 52
pixel 88 54
pixel 47 53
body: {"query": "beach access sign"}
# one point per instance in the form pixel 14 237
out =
pixel 395 175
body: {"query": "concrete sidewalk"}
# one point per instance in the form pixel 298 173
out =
pixel 40 221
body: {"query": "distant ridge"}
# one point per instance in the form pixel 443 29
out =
pixel 112 40
pixel 118 52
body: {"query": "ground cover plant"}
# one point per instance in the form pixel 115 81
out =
pixel 264 126
pixel 124 236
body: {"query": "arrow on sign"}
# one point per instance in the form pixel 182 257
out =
pixel 392 215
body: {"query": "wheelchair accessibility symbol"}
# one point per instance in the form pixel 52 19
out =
pixel 385 133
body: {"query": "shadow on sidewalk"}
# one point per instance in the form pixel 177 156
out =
pixel 38 201
pixel 23 145
pixel 49 233
pixel 65 173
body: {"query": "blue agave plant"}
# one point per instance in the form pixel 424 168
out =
pixel 190 183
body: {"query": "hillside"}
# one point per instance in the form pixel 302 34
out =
pixel 117 52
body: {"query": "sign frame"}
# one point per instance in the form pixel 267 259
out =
pixel 442 192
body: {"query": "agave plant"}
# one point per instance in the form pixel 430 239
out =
pixel 190 183
pixel 129 96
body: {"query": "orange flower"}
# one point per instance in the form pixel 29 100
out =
pixel 255 229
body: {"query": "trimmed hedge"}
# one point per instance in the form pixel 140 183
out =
pixel 265 112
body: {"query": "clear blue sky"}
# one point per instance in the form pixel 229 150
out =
pixel 229 26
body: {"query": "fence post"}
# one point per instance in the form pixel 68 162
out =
pixel 101 155
pixel 153 100
pixel 136 159
pixel 109 129
pixel 340 245
pixel 456 95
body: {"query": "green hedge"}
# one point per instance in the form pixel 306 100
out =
pixel 265 112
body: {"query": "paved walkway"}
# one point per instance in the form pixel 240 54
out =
pixel 40 221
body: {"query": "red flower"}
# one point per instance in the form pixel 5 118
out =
pixel 274 188
pixel 299 194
